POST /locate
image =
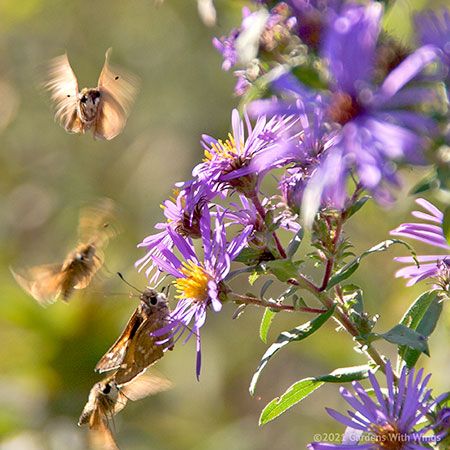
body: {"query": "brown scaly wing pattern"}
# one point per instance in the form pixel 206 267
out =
pixel 43 283
pixel 118 90
pixel 114 356
pixel 142 352
pixel 63 85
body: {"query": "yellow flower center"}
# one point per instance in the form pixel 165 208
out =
pixel 224 150
pixel 195 283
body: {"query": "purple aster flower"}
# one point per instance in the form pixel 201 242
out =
pixel 259 30
pixel 389 418
pixel 226 46
pixel 227 163
pixel 434 29
pixel 369 128
pixel 431 266
pixel 198 279
pixel 313 17
pixel 182 213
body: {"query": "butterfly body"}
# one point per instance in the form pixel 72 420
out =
pixel 137 348
pixel 104 109
pixel 88 106
pixel 48 282
pixel 108 397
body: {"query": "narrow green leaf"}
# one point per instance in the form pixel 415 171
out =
pixel 297 392
pixel 351 267
pixel 297 334
pixel 249 256
pixel 446 224
pixel 357 206
pixel 295 244
pixel 266 321
pixel 303 388
pixel 421 317
pixel 283 269
pixel 427 183
pixel 402 335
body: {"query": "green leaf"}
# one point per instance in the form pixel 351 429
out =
pixel 253 277
pixel 303 388
pixel 266 321
pixel 446 224
pixel 297 334
pixel 402 335
pixel 352 266
pixel 309 76
pixel 283 269
pixel 357 206
pixel 295 244
pixel 422 317
pixel 427 183
pixel 249 256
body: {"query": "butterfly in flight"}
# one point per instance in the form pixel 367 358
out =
pixel 107 398
pixel 103 109
pixel 46 283
pixel 137 348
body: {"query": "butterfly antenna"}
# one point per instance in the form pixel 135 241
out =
pixel 128 283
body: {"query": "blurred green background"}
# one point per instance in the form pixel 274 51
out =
pixel 47 356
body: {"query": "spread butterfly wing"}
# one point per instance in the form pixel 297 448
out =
pixel 117 92
pixel 43 283
pixel 97 223
pixel 114 356
pixel 63 85
pixel 145 385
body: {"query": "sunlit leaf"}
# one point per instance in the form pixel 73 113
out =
pixel 303 388
pixel 266 321
pixel 296 334
pixel 421 317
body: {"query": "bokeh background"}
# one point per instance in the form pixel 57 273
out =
pixel 47 356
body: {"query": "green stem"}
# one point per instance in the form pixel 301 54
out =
pixel 248 300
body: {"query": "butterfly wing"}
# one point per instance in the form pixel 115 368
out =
pixel 43 283
pixel 115 355
pixel 97 223
pixel 142 352
pixel 145 385
pixel 100 434
pixel 117 92
pixel 63 85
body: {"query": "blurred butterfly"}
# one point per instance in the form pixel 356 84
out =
pixel 107 398
pixel 103 109
pixel 47 283
pixel 136 348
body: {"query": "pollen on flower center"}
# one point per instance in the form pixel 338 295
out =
pixel 389 437
pixel 224 150
pixel 195 283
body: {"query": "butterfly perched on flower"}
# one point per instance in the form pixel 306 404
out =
pixel 103 109
pixel 107 398
pixel 137 348
pixel 48 282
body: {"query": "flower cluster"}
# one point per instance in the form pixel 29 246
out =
pixel 333 107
